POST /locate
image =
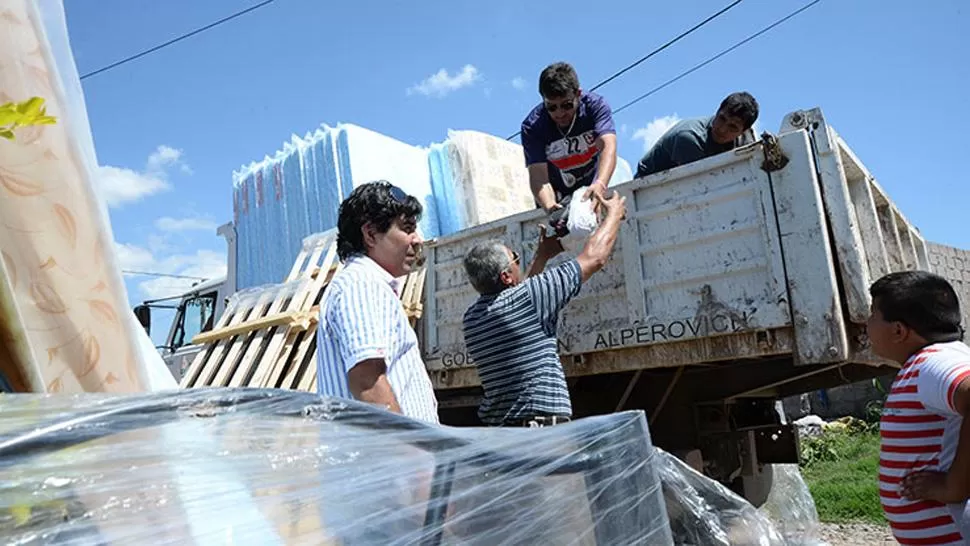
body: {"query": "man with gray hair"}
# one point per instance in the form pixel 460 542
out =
pixel 510 330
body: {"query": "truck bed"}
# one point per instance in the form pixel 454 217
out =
pixel 764 251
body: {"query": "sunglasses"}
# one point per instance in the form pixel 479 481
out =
pixel 398 194
pixel 565 106
pixel 515 257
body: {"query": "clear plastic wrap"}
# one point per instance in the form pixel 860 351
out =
pixel 264 295
pixel 703 512
pixel 267 467
pixel 791 507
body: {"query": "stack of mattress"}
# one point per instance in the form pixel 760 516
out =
pixel 469 179
pixel 478 178
pixel 280 200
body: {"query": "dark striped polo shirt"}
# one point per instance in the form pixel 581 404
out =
pixel 511 337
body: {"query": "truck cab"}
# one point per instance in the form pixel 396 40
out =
pixel 196 311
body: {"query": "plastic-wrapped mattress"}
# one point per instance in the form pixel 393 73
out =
pixel 269 467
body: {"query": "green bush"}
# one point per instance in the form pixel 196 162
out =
pixel 841 469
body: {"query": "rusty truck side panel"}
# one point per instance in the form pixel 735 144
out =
pixel 764 251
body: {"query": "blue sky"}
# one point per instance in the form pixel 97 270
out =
pixel 170 128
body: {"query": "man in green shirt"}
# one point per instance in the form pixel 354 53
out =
pixel 694 139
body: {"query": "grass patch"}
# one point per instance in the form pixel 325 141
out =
pixel 841 469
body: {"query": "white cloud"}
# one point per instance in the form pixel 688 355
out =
pixel 134 259
pixel 204 264
pixel 119 185
pixel 169 224
pixel 164 157
pixel 654 130
pixel 519 83
pixel 441 83
pixel 131 257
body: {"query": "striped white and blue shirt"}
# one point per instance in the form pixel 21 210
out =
pixel 511 337
pixel 361 318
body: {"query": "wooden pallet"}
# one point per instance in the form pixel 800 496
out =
pixel 267 336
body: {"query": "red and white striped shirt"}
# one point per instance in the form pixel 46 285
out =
pixel 919 430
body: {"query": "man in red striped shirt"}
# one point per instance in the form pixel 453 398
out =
pixel 924 459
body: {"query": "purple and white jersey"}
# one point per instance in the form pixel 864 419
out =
pixel 572 155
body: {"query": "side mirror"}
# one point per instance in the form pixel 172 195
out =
pixel 144 315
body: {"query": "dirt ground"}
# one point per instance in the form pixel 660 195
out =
pixel 857 534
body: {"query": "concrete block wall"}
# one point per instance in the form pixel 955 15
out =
pixel 954 264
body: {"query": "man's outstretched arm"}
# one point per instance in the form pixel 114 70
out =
pixel 605 131
pixel 549 248
pixel 600 245
pixel 542 190
pixel 537 164
pixel 607 164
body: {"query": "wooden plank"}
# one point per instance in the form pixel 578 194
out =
pixel 272 342
pixel 238 345
pixel 200 373
pixel 231 313
pixel 210 361
pixel 412 293
pixel 255 353
pixel 294 320
pixel 270 368
pixel 299 362
pixel 308 382
pixel 228 357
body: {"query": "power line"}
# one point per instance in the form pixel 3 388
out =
pixel 657 50
pixel 716 57
pixel 169 275
pixel 177 39
pixel 666 45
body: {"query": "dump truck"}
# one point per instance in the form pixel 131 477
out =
pixel 736 281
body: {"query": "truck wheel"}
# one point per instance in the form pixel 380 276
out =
pixel 756 488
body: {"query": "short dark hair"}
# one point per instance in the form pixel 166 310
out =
pixel 379 203
pixel 558 80
pixel 922 301
pixel 741 105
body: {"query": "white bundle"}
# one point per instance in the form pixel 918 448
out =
pixel 581 222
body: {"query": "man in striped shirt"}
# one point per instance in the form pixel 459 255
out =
pixel 366 348
pixel 510 331
pixel 924 461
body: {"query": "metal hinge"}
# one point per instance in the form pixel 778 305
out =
pixel 775 159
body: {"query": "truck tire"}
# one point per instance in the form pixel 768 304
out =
pixel 756 488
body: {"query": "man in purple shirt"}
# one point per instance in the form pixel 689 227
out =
pixel 569 140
